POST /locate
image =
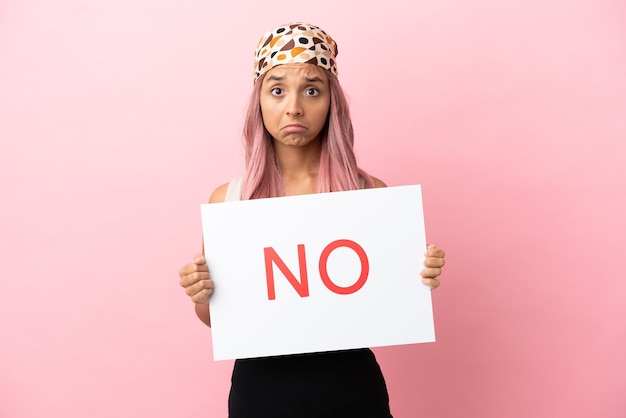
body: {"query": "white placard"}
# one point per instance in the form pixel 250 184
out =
pixel 360 251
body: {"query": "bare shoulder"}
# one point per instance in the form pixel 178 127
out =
pixel 219 194
pixel 378 182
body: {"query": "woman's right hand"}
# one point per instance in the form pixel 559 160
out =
pixel 196 280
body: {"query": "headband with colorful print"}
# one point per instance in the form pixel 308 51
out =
pixel 296 43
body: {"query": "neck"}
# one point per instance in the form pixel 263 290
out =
pixel 299 166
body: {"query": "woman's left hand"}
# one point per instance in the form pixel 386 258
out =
pixel 432 266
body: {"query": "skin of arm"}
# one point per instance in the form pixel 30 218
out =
pixel 195 277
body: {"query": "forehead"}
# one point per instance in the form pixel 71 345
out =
pixel 297 71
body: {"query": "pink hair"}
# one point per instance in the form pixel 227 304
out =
pixel 338 169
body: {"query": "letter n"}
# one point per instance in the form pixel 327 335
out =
pixel 302 286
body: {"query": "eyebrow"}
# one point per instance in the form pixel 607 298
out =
pixel 308 79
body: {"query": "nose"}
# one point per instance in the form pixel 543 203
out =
pixel 294 107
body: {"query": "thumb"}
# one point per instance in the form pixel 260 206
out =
pixel 199 259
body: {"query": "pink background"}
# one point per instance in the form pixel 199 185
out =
pixel 118 118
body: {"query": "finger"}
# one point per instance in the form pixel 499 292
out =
pixel 192 268
pixel 199 287
pixel 192 278
pixel 434 262
pixel 432 283
pixel 202 297
pixel 199 259
pixel 433 251
pixel 430 273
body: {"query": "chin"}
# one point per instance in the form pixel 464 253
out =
pixel 294 142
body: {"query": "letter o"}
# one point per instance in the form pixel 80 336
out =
pixel 365 267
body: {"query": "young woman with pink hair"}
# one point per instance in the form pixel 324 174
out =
pixel 299 140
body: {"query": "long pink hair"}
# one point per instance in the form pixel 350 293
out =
pixel 338 170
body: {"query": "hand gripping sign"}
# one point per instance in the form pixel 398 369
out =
pixel 317 272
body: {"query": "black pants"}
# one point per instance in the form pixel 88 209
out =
pixel 334 384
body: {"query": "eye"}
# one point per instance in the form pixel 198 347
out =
pixel 312 91
pixel 276 91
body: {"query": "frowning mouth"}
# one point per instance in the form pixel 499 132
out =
pixel 294 128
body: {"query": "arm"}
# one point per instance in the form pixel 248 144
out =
pixel 378 182
pixel 195 276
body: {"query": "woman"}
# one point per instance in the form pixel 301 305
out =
pixel 299 140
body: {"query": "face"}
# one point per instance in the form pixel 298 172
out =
pixel 295 99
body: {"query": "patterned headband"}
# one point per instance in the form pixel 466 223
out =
pixel 297 43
